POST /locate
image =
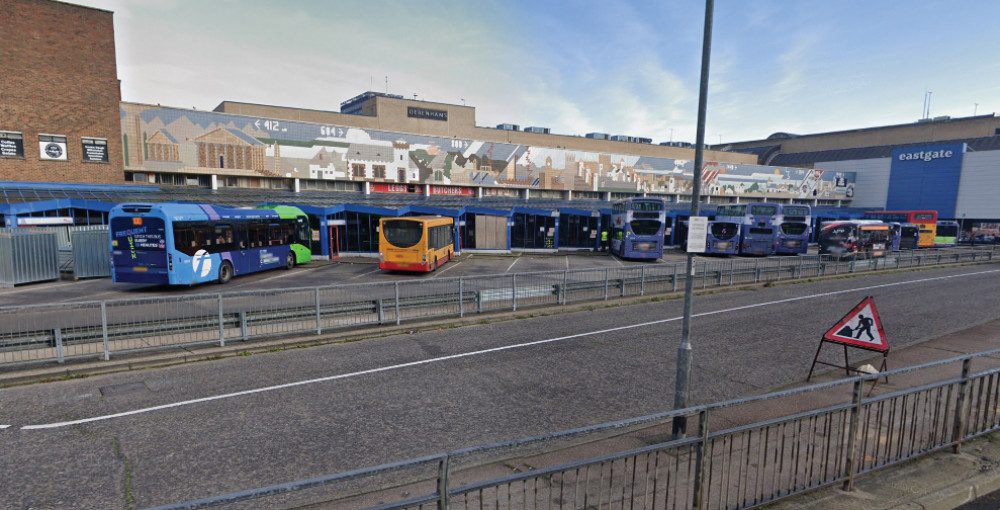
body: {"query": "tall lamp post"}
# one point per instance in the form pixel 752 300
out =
pixel 681 390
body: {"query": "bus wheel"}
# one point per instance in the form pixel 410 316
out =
pixel 290 260
pixel 225 272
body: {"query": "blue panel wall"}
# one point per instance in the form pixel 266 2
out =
pixel 926 177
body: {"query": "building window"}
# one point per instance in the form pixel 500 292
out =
pixel 11 144
pixel 52 147
pixel 95 150
pixel 379 171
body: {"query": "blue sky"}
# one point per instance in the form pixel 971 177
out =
pixel 613 66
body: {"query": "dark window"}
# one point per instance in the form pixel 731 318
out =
pixel 724 231
pixel 402 233
pixel 645 227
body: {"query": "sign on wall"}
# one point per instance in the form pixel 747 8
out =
pixel 95 150
pixel 926 177
pixel 52 147
pixel 11 145
pixel 425 113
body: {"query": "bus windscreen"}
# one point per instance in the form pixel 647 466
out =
pixel 403 233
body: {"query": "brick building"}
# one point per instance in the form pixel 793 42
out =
pixel 59 94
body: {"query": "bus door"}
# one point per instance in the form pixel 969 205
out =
pixel 895 235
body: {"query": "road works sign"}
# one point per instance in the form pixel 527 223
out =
pixel 861 327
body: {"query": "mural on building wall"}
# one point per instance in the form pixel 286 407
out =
pixel 174 140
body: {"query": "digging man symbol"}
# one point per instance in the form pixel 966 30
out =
pixel 864 326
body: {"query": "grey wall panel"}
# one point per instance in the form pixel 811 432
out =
pixel 871 187
pixel 979 186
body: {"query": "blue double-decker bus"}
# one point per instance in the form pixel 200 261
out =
pixel 793 224
pixel 758 227
pixel 637 225
pixel 723 238
pixel 185 244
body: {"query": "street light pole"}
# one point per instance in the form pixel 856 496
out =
pixel 681 390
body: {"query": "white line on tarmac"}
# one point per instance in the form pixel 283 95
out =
pixel 446 268
pixel 477 353
pixel 4 427
pixel 365 274
pixel 512 264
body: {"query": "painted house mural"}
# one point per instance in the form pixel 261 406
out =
pixel 160 139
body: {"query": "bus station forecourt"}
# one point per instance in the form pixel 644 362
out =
pixel 941 480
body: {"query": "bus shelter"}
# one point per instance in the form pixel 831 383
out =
pixel 533 229
pixel 345 228
pixel 58 211
pixel 579 229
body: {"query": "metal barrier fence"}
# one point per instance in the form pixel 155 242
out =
pixel 844 435
pixel 57 332
pixel 28 256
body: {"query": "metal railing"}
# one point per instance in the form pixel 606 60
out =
pixel 844 434
pixel 97 329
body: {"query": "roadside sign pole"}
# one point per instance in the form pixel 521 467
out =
pixel 681 390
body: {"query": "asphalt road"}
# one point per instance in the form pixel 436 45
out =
pixel 382 400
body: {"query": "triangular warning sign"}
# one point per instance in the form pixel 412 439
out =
pixel 861 327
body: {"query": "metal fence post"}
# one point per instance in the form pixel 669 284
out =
pixel 642 280
pixel 674 281
pixel 700 465
pixel 801 263
pixel 563 291
pixel 704 274
pixel 732 271
pixel 607 276
pixel 104 329
pixel 461 298
pixel 960 406
pixel 243 325
pixel 443 484
pixel 319 324
pixel 57 333
pixel 756 271
pixel 779 269
pixel 852 435
pixel 398 318
pixel 513 292
pixel 222 326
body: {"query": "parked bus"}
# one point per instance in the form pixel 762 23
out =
pixel 723 238
pixel 904 236
pixel 927 220
pixel 946 233
pixel 793 223
pixel 415 243
pixel 758 227
pixel 850 238
pixel 637 225
pixel 185 244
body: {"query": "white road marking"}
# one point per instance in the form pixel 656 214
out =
pixel 477 353
pixel 366 274
pixel 446 268
pixel 512 264
pixel 4 427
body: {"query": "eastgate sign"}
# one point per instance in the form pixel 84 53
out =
pixel 926 155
